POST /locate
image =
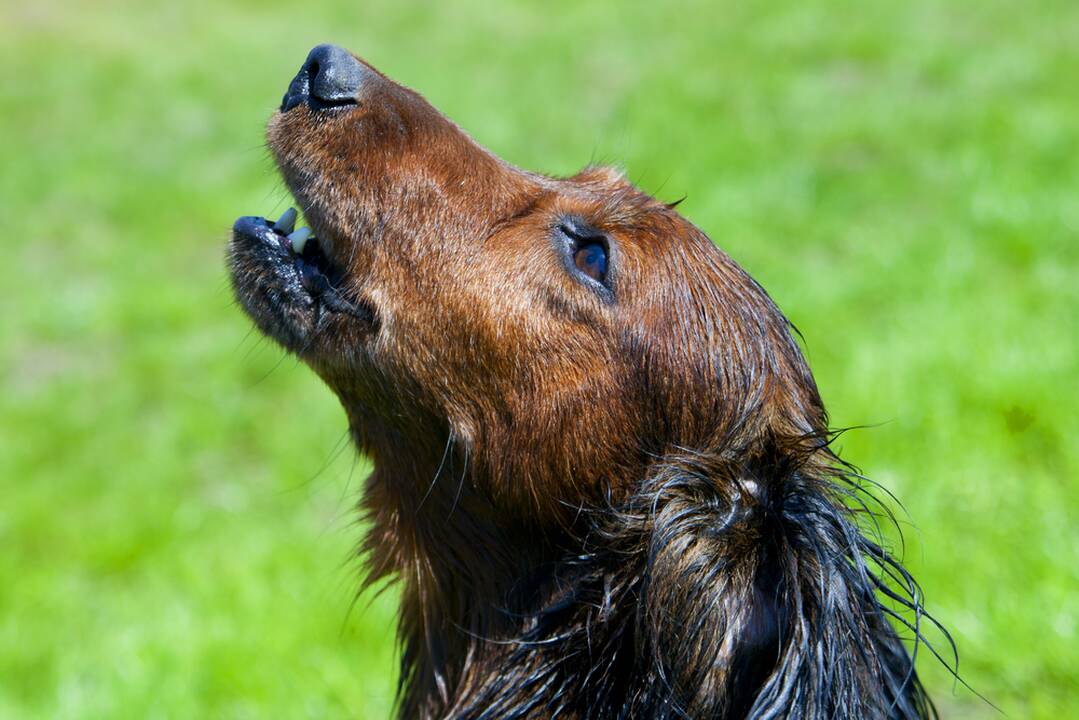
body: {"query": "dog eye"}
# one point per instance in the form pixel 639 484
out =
pixel 585 250
pixel 591 259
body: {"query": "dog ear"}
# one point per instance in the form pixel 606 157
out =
pixel 706 611
pixel 760 593
pixel 721 588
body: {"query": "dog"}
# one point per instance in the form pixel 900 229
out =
pixel 602 471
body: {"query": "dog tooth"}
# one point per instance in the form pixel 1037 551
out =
pixel 286 222
pixel 299 239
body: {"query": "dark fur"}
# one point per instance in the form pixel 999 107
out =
pixel 612 504
pixel 770 576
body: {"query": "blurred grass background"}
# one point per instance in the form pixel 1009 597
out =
pixel 175 497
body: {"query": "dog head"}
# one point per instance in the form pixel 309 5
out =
pixel 562 331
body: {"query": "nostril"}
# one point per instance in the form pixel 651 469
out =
pixel 330 76
pixel 336 76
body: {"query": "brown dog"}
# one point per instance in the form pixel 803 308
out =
pixel 602 473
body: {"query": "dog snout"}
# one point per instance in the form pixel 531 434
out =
pixel 329 77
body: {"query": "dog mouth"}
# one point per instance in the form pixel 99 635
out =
pixel 282 245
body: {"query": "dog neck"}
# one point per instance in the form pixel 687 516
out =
pixel 467 573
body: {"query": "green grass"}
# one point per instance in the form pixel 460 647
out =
pixel 176 498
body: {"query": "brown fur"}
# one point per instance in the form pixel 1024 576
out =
pixel 597 504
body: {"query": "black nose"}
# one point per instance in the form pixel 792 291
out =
pixel 329 77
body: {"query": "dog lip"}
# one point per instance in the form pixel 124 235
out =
pixel 316 272
pixel 286 246
pixel 280 234
pixel 260 229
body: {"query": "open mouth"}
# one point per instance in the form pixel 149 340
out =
pixel 316 273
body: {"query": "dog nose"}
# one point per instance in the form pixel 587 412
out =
pixel 329 77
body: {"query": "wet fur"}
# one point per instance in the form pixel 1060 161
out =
pixel 620 506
